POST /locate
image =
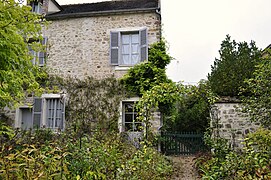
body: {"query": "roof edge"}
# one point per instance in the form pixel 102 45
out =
pixel 56 3
pixel 55 16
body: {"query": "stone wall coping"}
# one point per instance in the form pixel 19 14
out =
pixel 227 99
pixel 98 13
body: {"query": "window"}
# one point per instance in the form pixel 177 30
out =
pixel 36 6
pixel 47 111
pixel 54 114
pixel 130 118
pixel 128 47
pixel 39 57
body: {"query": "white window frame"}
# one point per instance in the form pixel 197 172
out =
pixel 130 44
pixel 122 114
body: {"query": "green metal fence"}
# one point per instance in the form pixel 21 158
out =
pixel 184 143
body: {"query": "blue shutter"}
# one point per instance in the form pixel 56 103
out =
pixel 143 34
pixel 114 48
pixel 33 54
pixel 37 111
pixel 63 113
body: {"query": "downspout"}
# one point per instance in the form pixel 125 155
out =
pixel 158 12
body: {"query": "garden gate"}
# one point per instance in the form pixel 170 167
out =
pixel 184 143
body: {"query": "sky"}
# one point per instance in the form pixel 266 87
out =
pixel 194 30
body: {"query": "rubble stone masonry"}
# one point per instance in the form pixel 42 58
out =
pixel 80 47
pixel 230 123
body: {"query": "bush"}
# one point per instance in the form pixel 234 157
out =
pixel 253 162
pixel 42 154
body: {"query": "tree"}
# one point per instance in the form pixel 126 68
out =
pixel 236 63
pixel 17 74
pixel 192 109
pixel 258 104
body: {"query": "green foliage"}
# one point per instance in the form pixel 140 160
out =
pixel 144 76
pixel 42 154
pixel 192 109
pixel 158 56
pixel 236 63
pixel 92 104
pixel 257 105
pixel 17 74
pixel 6 133
pixel 144 164
pixel 162 97
pixel 253 162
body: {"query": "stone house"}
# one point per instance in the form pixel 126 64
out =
pixel 95 39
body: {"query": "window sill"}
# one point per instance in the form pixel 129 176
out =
pixel 122 68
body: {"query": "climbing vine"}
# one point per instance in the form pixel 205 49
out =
pixel 149 81
pixel 93 104
pixel 142 77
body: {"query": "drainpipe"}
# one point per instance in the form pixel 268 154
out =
pixel 158 12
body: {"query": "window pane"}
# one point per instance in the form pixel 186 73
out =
pixel 135 59
pixel 128 126
pixel 126 49
pixel 125 39
pixel 129 107
pixel 135 115
pixel 125 59
pixel 135 38
pixel 135 49
pixel 128 117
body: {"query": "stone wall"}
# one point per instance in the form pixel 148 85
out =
pixel 80 47
pixel 230 123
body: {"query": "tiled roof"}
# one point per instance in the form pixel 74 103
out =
pixel 106 7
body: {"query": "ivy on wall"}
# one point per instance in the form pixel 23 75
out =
pixel 91 104
pixel 142 77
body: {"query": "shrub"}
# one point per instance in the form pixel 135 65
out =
pixel 42 154
pixel 253 162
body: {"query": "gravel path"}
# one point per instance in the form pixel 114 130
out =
pixel 183 168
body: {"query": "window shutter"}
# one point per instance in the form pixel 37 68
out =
pixel 143 45
pixel 42 54
pixel 114 48
pixel 63 112
pixel 37 110
pixel 33 54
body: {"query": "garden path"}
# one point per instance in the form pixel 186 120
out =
pixel 183 168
